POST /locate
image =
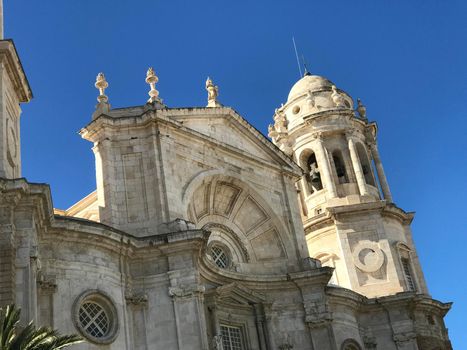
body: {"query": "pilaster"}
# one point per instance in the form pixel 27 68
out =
pixel 186 289
pixel 14 89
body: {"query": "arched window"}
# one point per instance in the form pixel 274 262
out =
pixel 350 344
pixel 220 256
pixel 313 174
pixel 366 166
pixel 340 167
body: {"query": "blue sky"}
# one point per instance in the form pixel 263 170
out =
pixel 407 61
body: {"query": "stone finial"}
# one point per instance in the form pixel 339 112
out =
pixel 213 92
pixel 361 109
pixel 101 84
pixel 152 79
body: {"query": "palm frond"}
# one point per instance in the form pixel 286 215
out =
pixel 30 338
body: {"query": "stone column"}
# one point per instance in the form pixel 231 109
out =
pixel 357 166
pixel 381 175
pixel 324 168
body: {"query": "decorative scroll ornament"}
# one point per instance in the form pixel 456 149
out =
pixel 213 93
pixel 152 79
pixel 101 84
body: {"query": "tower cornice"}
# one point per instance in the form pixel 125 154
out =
pixel 332 214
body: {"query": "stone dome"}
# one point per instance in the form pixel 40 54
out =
pixel 308 83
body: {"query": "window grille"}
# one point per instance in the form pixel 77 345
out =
pixel 351 347
pixel 93 319
pixel 408 274
pixel 219 257
pixel 231 338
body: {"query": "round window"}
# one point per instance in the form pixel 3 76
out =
pixel 95 317
pixel 296 110
pixel 220 256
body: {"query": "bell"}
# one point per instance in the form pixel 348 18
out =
pixel 315 177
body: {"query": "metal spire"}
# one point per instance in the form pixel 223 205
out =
pixel 296 55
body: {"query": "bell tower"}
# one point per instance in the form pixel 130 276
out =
pixel 14 89
pixel 350 220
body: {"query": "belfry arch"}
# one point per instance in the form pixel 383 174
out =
pixel 309 163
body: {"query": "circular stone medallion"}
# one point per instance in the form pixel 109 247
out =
pixel 368 256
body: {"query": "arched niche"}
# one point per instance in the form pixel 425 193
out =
pixel 366 165
pixel 239 218
pixel 339 167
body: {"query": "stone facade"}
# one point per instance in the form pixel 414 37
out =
pixel 200 231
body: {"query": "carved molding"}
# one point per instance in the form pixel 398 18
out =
pixel 317 314
pixel 136 299
pixel 404 337
pixel 186 291
pixel 46 284
pixel 232 234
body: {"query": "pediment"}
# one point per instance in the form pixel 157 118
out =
pixel 235 293
pixel 227 127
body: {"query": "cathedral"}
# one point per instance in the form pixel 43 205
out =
pixel 203 233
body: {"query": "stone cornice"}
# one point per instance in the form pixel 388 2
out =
pixel 386 209
pixel 36 196
pixel 9 55
pixel 410 300
pixel 333 213
pixel 404 300
pixel 346 297
pixel 330 112
pixel 82 230
pixel 263 281
pixel 310 120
